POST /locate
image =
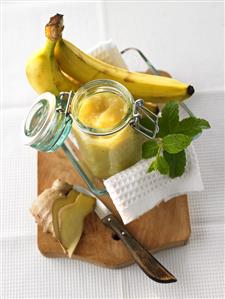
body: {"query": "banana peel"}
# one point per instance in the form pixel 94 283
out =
pixel 151 106
pixel 42 69
pixel 84 68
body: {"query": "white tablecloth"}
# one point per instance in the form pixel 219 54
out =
pixel 198 266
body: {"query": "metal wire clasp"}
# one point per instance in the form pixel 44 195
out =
pixel 65 102
pixel 139 111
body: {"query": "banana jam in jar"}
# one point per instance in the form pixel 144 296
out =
pixel 97 128
pixel 101 111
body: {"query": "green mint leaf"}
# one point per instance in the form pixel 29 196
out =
pixel 176 162
pixel 204 124
pixel 159 164
pixel 149 149
pixel 162 165
pixel 192 126
pixel 152 166
pixel 175 143
pixel 169 120
pixel 174 137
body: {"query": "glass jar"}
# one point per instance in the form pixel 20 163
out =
pixel 111 149
pixel 95 151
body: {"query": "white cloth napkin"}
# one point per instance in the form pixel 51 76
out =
pixel 109 53
pixel 134 191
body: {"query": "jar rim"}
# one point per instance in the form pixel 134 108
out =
pixel 105 85
pixel 46 127
pixel 50 98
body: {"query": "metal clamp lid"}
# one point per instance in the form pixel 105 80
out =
pixel 139 110
pixel 48 122
pixel 62 107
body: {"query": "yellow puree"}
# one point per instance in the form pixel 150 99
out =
pixel 102 110
pixel 107 155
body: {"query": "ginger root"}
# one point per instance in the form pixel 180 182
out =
pixel 41 208
pixel 61 211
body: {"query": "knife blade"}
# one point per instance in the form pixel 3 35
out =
pixel 150 265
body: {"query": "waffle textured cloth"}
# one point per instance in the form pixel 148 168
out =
pixel 134 191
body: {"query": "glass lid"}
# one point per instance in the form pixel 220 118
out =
pixel 39 118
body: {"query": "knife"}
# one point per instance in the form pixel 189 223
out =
pixel 152 268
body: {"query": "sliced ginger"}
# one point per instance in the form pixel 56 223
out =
pixel 58 204
pixel 62 214
pixel 71 221
pixel 42 206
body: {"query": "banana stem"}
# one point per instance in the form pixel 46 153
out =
pixel 54 28
pixel 49 47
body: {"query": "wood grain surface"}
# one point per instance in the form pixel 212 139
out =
pixel 165 226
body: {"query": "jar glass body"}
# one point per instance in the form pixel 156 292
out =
pixel 107 155
pixel 106 151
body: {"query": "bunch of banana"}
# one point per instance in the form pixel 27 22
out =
pixel 44 72
pixel 42 69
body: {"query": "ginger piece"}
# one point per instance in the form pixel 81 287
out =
pixel 57 205
pixel 41 208
pixel 71 221
pixel 61 211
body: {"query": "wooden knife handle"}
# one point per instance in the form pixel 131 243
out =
pixel 143 258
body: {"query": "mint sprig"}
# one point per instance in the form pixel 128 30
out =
pixel 159 164
pixel 150 149
pixel 175 143
pixel 169 120
pixel 192 126
pixel 173 138
pixel 176 163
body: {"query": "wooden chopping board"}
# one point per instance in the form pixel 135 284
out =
pixel 165 226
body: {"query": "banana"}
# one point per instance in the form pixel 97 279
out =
pixel 85 68
pixel 43 71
